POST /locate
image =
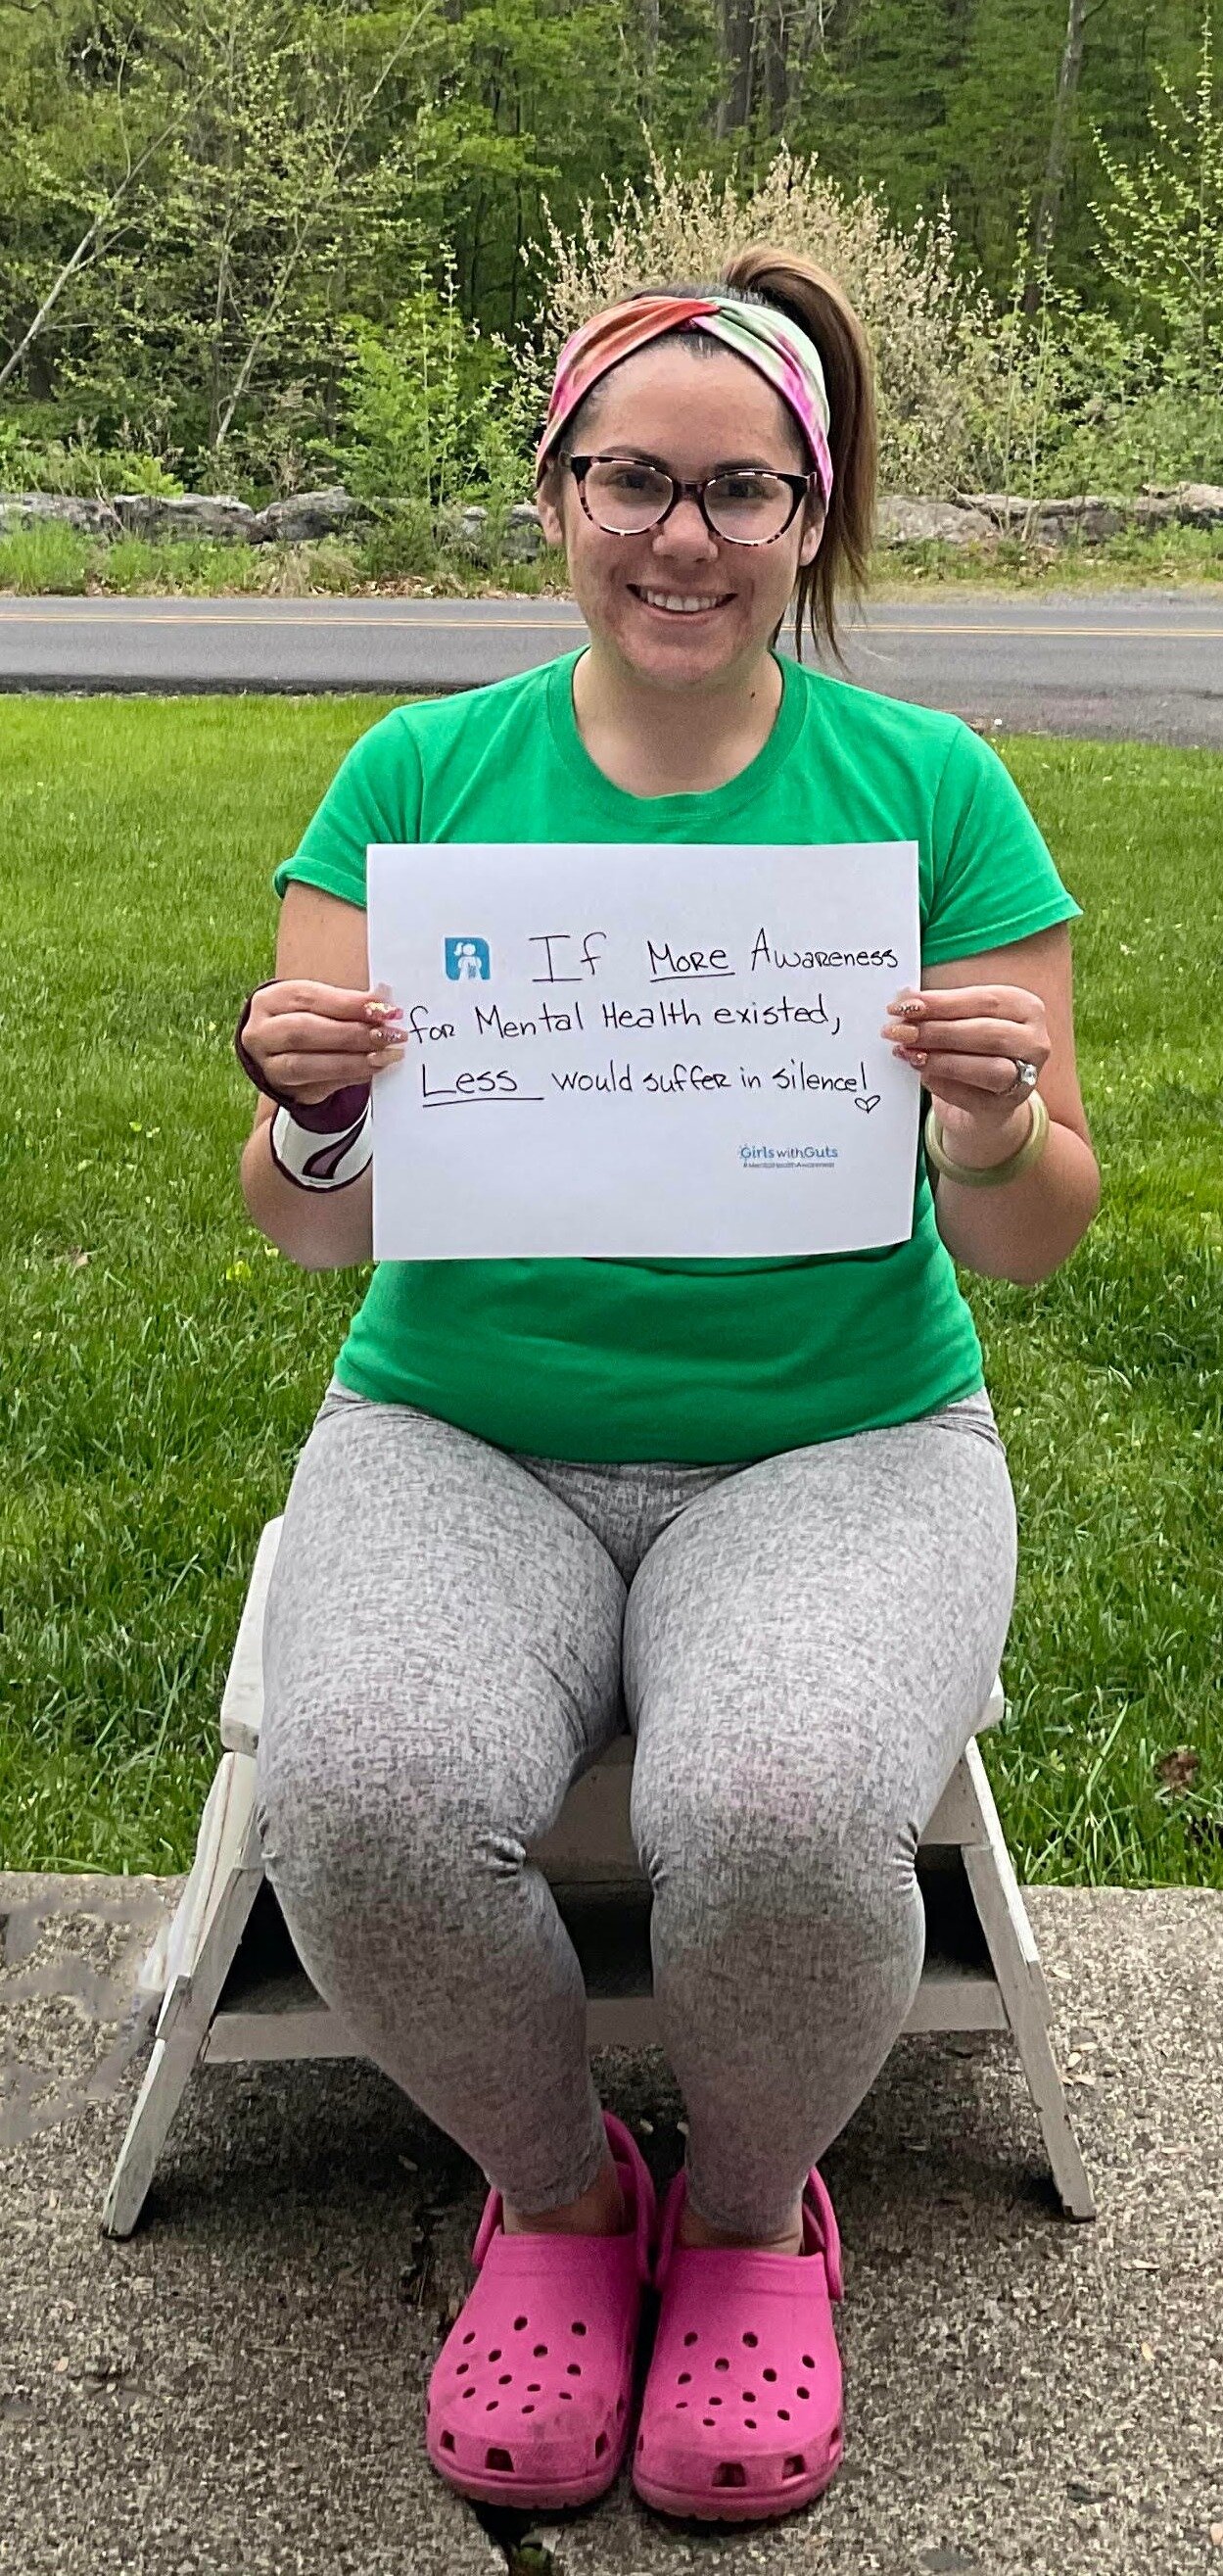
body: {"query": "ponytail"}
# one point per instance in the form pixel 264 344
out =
pixel 814 300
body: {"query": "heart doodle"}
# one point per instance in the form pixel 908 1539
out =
pixel 868 1102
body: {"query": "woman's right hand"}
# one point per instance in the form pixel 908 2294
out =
pixel 311 1039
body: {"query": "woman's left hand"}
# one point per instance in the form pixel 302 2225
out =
pixel 964 1041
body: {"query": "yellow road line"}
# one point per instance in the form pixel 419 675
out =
pixel 272 621
pixel 1160 634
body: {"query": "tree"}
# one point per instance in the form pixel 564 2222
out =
pixel 1161 234
pixel 55 187
pixel 1078 19
pixel 220 250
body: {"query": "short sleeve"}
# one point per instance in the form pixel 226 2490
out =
pixel 993 875
pixel 374 796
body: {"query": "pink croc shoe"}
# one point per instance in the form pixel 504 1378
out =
pixel 551 2322
pixel 741 2417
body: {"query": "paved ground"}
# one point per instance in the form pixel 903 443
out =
pixel 238 2387
pixel 1142 665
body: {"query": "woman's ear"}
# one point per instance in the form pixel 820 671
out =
pixel 546 502
pixel 814 524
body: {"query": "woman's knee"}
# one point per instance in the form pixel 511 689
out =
pixel 365 1809
pixel 746 1849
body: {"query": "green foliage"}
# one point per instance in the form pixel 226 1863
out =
pixel 1161 231
pixel 20 457
pixel 129 472
pixel 435 412
pixel 250 245
pixel 1075 401
pixel 408 401
pixel 1087 401
pixel 400 545
pixel 132 565
pixel 45 558
pixel 76 464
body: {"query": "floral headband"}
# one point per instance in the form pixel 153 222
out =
pixel 769 340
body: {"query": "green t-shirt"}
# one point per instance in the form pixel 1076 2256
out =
pixel 686 1360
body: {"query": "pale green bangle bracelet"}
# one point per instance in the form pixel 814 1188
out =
pixel 994 1173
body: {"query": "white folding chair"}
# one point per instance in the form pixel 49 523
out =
pixel 224 1982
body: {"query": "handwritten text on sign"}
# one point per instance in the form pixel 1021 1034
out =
pixel 642 1050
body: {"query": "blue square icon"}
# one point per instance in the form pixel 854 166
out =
pixel 467 961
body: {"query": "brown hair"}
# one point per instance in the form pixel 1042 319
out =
pixel 761 274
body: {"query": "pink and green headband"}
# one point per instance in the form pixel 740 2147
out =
pixel 769 340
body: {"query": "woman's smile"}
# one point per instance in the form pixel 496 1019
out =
pixel 679 603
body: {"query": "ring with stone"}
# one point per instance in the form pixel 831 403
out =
pixel 1026 1075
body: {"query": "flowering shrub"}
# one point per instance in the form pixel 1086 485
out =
pixel 929 330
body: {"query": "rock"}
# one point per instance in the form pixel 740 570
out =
pixel 1000 508
pixel 1092 516
pixel 1018 514
pixel 65 509
pixel 465 531
pixel 461 530
pixel 524 537
pixel 1200 505
pixel 1152 509
pixel 1009 511
pixel 905 522
pixel 305 515
pixel 185 514
pixel 1086 514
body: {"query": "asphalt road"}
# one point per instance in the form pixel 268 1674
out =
pixel 1143 665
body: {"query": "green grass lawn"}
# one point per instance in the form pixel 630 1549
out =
pixel 163 1363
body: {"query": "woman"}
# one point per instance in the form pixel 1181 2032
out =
pixel 760 1510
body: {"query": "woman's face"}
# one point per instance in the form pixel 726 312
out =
pixel 694 414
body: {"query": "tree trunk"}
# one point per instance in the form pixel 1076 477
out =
pixel 1069 69
pixel 77 260
pixel 477 222
pixel 776 33
pixel 738 33
pixel 516 263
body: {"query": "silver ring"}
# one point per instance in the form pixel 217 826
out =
pixel 1026 1075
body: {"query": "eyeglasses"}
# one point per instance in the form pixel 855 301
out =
pixel 750 507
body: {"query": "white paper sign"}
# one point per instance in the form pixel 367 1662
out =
pixel 642 1050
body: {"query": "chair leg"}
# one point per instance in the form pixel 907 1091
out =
pixel 201 1945
pixel 1012 1948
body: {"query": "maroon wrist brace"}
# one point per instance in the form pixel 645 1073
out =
pixel 322 1117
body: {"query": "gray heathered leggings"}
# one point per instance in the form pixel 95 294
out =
pixel 802 1647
